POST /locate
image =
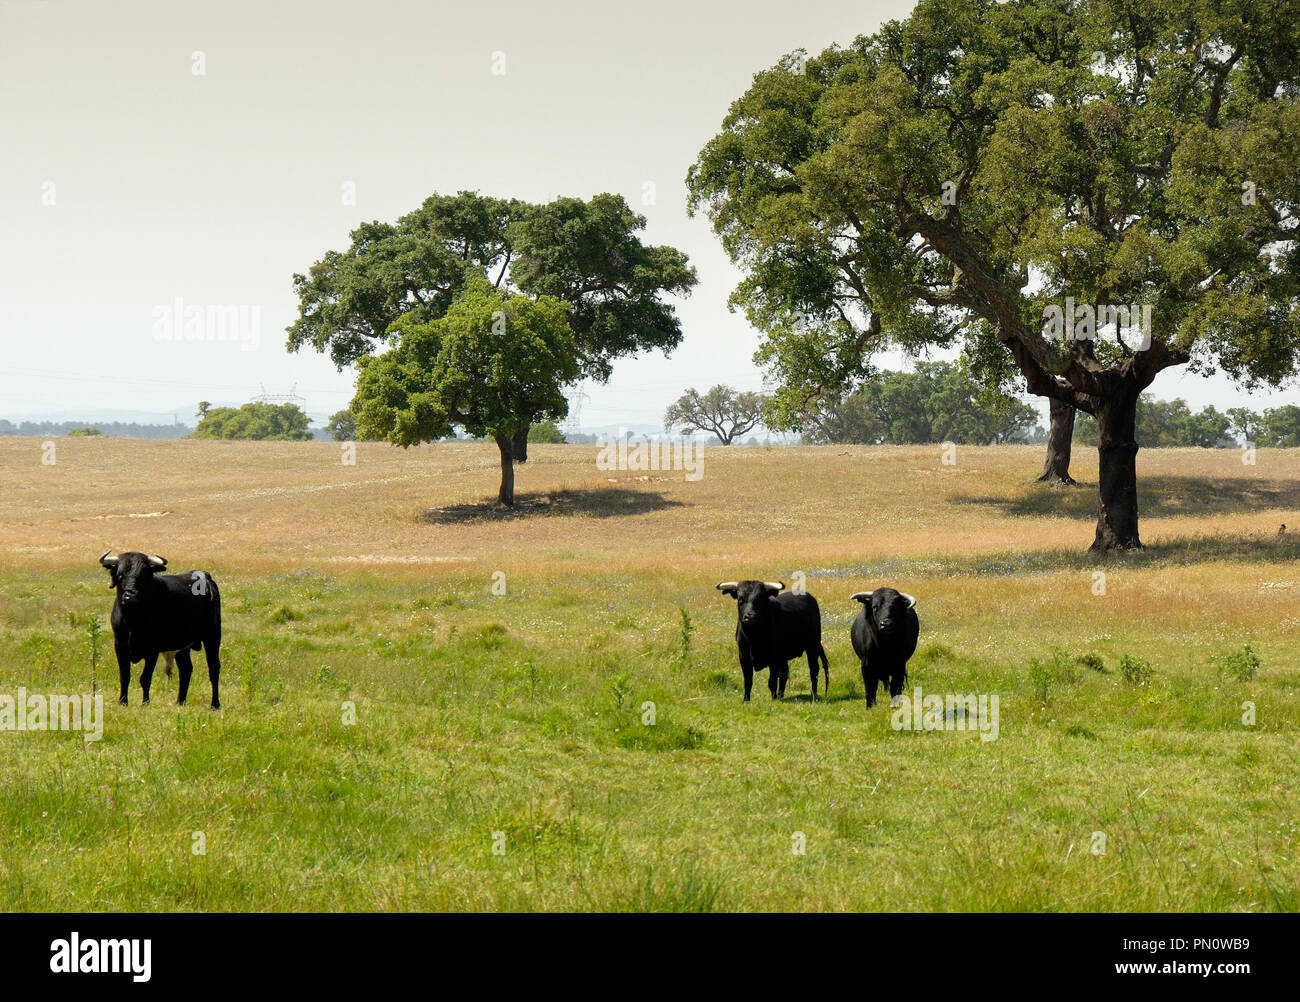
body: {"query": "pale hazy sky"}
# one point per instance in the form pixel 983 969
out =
pixel 216 188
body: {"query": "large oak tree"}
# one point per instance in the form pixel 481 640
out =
pixel 492 364
pixel 588 253
pixel 944 181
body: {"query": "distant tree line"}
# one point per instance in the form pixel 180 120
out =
pixel 112 429
pixel 1276 427
pixel 946 402
pixel 938 402
pixel 1171 423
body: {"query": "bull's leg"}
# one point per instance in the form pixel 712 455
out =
pixel 897 678
pixel 812 672
pixel 870 682
pixel 774 678
pixel 123 671
pixel 146 674
pixel 186 666
pixel 785 677
pixel 747 669
pixel 212 651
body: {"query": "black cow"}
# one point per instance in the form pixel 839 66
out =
pixel 884 636
pixel 772 629
pixel 167 614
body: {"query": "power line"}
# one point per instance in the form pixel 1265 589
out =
pixel 279 398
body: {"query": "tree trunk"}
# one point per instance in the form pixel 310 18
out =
pixel 1117 517
pixel 1060 437
pixel 507 493
pixel 519 445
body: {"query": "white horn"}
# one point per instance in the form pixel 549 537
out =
pixel 911 600
pixel 157 561
pixel 859 596
pixel 108 559
pixel 723 585
pixel 774 585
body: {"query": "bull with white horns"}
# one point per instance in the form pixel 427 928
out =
pixel 773 627
pixel 884 636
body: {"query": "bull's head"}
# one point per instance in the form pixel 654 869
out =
pixel 887 607
pixel 130 573
pixel 753 598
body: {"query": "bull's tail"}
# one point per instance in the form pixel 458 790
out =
pixel 826 668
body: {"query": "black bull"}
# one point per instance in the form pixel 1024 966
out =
pixel 884 636
pixel 167 614
pixel 772 629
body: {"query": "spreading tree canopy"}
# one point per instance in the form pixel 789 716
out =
pixel 280 422
pixel 952 178
pixel 587 253
pixel 492 364
pixel 720 411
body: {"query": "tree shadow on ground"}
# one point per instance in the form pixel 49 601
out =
pixel 1177 551
pixel 1158 496
pixel 603 502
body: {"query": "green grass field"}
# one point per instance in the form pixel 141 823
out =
pixel 499 758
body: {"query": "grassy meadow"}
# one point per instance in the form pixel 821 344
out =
pixel 499 758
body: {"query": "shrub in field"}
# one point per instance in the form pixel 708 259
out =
pixel 1040 677
pixel 1135 670
pixel 685 636
pixel 1062 668
pixel 1241 664
pixel 620 687
pixel 1065 666
pixel 1093 662
pixel 93 632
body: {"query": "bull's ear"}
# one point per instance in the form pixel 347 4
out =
pixel 728 587
pixel 911 599
pixel 862 596
pixel 775 587
pixel 156 562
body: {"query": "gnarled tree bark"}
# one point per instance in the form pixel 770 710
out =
pixel 519 445
pixel 1117 448
pixel 506 495
pixel 1060 439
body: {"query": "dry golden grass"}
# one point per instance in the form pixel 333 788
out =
pixel 266 505
pixel 979 537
